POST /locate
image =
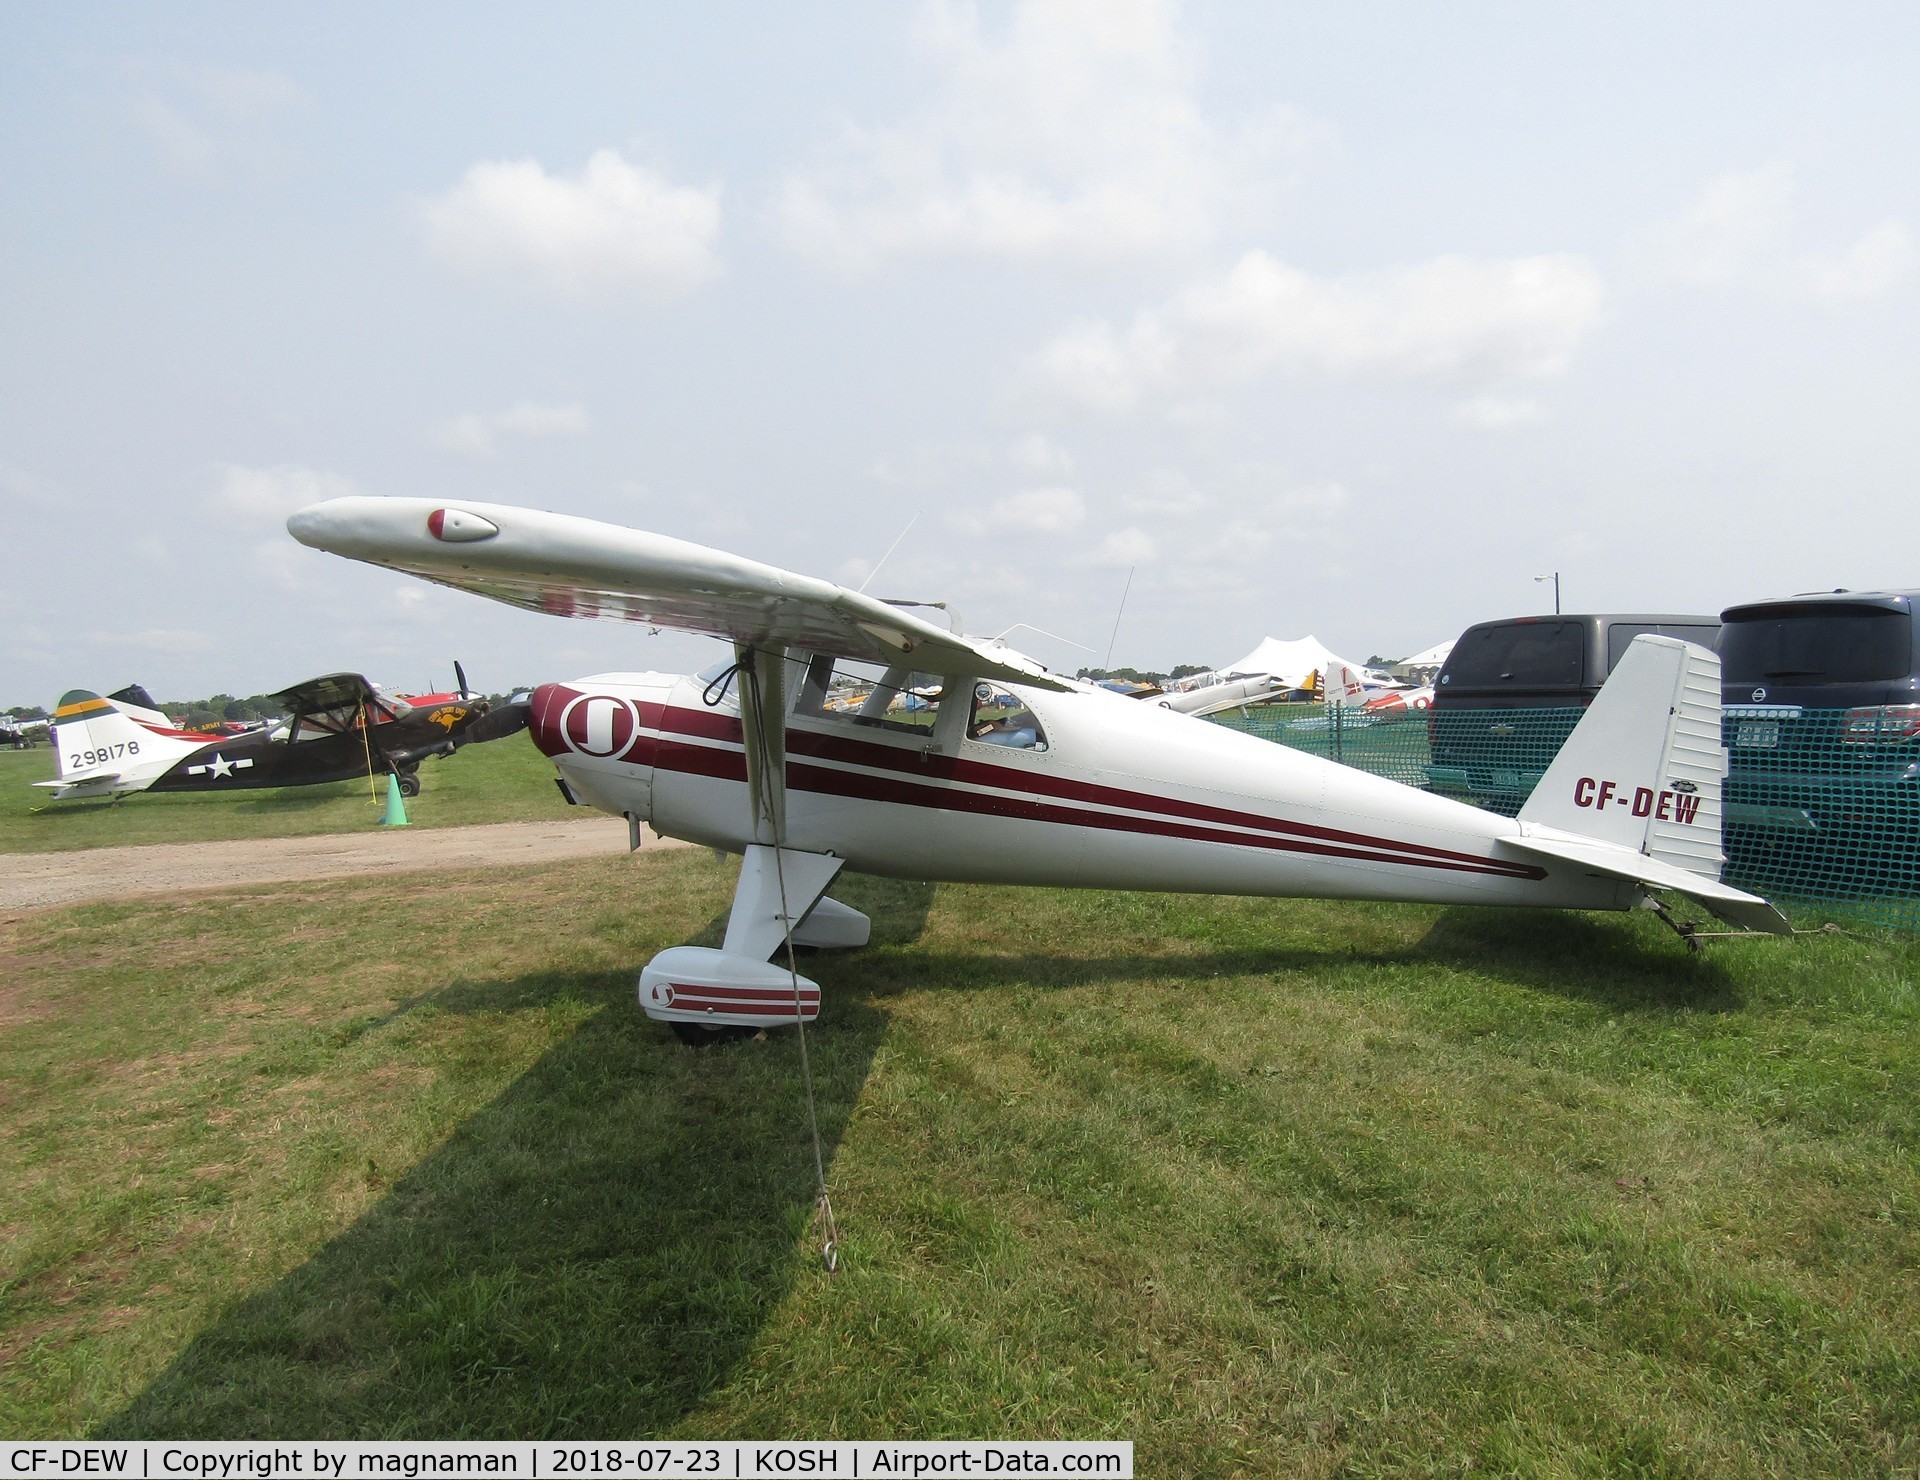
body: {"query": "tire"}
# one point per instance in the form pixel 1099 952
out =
pixel 409 783
pixel 697 1035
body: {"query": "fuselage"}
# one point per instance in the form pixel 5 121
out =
pixel 1116 794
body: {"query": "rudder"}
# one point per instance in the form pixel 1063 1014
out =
pixel 1645 766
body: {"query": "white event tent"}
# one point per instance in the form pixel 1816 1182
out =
pixel 1292 663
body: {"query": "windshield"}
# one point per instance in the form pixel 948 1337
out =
pixel 1827 645
pixel 1519 655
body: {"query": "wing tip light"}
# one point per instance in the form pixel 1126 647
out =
pixel 458 527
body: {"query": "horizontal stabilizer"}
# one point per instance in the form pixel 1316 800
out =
pixel 96 784
pixel 1735 906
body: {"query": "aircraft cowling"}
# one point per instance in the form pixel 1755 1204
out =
pixel 497 724
pixel 602 736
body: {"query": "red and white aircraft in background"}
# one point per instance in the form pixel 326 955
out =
pixel 1344 687
pixel 1003 772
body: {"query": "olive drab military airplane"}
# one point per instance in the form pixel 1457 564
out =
pixel 336 728
pixel 804 755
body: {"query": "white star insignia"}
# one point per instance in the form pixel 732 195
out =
pixel 221 767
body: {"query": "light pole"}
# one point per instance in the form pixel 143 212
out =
pixel 1555 578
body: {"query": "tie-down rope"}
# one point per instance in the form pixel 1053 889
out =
pixel 830 1243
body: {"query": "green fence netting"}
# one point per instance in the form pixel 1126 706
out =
pixel 1822 806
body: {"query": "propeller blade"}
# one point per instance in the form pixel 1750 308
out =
pixel 460 678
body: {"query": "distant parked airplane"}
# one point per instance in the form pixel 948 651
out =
pixel 337 727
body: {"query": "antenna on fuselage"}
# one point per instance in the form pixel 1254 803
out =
pixel 1117 615
pixel 890 549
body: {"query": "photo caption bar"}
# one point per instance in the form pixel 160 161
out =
pixel 862 1459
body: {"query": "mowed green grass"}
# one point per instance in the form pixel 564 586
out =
pixel 502 781
pixel 1272 1188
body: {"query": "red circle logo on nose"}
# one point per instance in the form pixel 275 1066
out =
pixel 599 725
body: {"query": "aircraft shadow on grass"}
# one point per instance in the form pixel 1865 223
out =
pixel 598 1249
pixel 275 803
pixel 1585 958
pixel 589 1255
pixel 1564 953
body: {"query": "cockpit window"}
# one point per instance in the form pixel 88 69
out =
pixel 998 718
pixel 869 695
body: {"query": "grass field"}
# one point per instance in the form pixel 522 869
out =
pixel 1272 1188
pixel 503 781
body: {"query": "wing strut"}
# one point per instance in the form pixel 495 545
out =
pixel 763 714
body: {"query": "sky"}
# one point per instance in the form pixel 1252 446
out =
pixel 1346 319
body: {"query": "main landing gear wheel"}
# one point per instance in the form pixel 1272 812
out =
pixel 698 1035
pixel 409 783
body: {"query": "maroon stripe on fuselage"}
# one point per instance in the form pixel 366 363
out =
pixel 1305 837
pixel 804 777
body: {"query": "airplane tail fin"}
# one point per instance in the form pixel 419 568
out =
pixel 1635 791
pixel 96 742
pixel 1342 686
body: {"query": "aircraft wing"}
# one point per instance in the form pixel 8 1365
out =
pixel 575 567
pixel 331 691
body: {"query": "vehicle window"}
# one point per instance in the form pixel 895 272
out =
pixel 1847 645
pixel 998 718
pixel 870 695
pixel 1520 655
pixel 1620 636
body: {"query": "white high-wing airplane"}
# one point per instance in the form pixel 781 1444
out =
pixel 1009 774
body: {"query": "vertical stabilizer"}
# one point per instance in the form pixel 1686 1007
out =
pixel 1644 767
pixel 99 747
pixel 1342 687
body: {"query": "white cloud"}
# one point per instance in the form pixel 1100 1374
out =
pixel 612 229
pixel 529 420
pixel 1123 547
pixel 1031 511
pixel 932 465
pixel 1077 139
pixel 1169 493
pixel 1739 235
pixel 476 436
pixel 1451 320
pixel 286 565
pixel 17 485
pixel 208 122
pixel 1310 501
pixel 1037 456
pixel 1258 514
pixel 1737 221
pixel 268 495
pixel 1496 412
pixel 1879 262
pixel 468 435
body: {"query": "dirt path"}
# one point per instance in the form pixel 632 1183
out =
pixel 37 880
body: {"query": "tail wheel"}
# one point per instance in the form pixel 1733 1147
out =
pixel 409 783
